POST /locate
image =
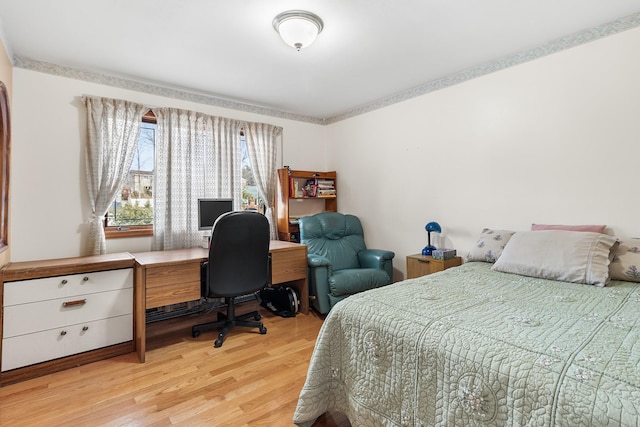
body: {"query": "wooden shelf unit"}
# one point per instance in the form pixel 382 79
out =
pixel 287 230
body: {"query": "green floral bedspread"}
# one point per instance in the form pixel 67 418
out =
pixel 470 346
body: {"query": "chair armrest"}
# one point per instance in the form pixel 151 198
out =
pixel 204 284
pixel 377 258
pixel 318 261
pixel 374 258
pixel 319 271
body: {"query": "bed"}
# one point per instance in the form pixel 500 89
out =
pixel 474 345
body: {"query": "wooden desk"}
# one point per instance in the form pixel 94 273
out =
pixel 171 277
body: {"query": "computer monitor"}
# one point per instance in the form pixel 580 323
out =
pixel 210 209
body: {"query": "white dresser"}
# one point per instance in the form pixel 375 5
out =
pixel 62 313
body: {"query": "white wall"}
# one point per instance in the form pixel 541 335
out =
pixel 48 198
pixel 555 140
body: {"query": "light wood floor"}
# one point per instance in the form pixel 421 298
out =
pixel 252 380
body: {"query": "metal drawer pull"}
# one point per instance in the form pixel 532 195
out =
pixel 76 302
pixel 85 328
pixel 63 333
pixel 85 278
pixel 64 281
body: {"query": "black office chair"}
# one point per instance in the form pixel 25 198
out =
pixel 238 265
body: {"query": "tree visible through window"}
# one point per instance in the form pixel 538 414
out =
pixel 251 199
pixel 133 206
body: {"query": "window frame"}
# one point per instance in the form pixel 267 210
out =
pixel 115 231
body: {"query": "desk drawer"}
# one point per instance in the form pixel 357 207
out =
pixel 51 344
pixel 173 274
pixel 289 265
pixel 172 294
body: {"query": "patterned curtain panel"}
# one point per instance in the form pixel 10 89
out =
pixel 197 156
pixel 223 169
pixel 261 147
pixel 113 129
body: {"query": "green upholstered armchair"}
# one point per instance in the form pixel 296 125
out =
pixel 339 262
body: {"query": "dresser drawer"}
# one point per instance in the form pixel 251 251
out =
pixel 42 315
pixel 54 343
pixel 46 288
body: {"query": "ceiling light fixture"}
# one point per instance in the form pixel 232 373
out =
pixel 298 28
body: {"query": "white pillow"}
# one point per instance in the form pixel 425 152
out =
pixel 567 256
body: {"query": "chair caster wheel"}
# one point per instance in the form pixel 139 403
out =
pixel 217 343
pixel 195 334
pixel 263 330
pixel 257 317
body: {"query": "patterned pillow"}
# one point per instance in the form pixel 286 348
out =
pixel 490 245
pixel 626 261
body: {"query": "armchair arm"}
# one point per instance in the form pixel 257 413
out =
pixel 374 258
pixel 319 271
pixel 377 258
pixel 318 261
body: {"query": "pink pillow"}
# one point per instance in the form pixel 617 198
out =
pixel 592 228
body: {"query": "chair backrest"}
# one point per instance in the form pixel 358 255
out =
pixel 238 255
pixel 335 236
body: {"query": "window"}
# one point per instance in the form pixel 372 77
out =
pixel 131 213
pixel 251 199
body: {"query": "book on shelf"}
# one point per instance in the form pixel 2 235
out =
pixel 326 193
pixel 310 188
pixel 326 185
pixel 293 187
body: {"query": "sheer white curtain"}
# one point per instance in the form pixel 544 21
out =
pixel 197 156
pixel 262 148
pixel 113 129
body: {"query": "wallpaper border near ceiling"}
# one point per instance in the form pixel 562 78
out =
pixel 558 45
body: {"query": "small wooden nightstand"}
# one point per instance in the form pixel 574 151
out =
pixel 420 265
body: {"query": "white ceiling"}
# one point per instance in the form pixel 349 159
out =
pixel 371 52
